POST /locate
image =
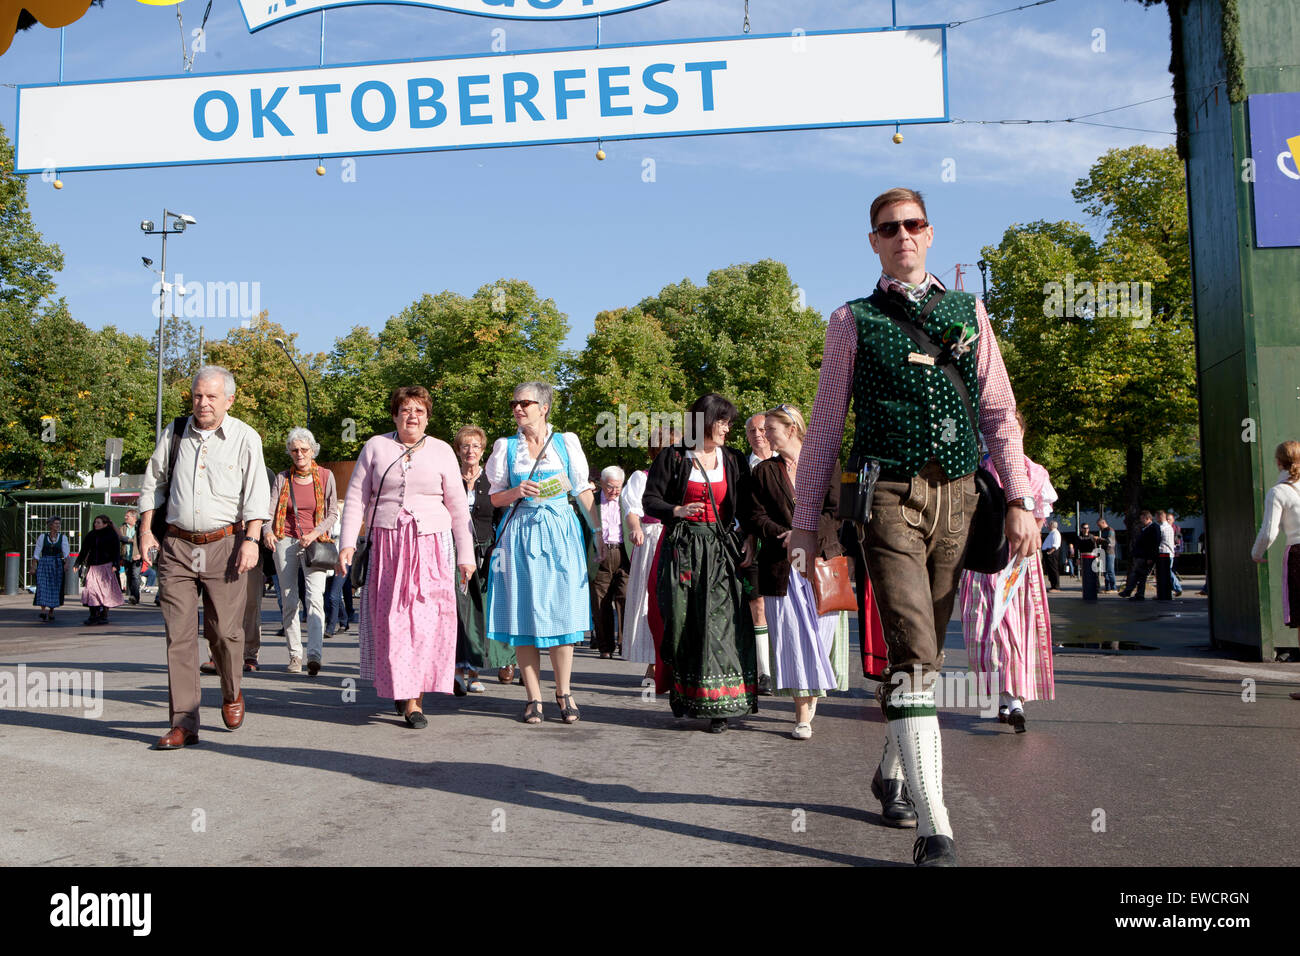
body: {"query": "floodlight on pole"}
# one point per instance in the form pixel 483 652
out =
pixel 179 222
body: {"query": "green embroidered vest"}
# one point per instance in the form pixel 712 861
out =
pixel 906 412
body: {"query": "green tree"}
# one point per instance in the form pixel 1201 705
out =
pixel 1098 335
pixel 71 389
pixel 746 334
pixel 355 389
pixel 268 392
pixel 27 262
pixel 628 363
pixel 472 352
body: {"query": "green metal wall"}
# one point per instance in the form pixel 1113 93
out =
pixel 1248 339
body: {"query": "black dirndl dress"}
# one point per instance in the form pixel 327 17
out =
pixel 708 641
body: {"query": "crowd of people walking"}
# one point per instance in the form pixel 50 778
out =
pixel 716 570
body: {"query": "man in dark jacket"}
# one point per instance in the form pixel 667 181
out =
pixel 1145 550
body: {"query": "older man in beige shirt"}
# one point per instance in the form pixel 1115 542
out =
pixel 216 497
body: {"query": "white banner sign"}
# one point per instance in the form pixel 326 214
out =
pixel 263 13
pixel 813 81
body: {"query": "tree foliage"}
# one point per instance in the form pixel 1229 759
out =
pixel 1098 335
pixel 469 352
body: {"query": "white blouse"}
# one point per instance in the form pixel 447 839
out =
pixel 1281 508
pixel 698 473
pixel 44 537
pixel 498 470
pixel 633 489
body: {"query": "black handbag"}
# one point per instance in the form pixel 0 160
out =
pixel 987 551
pixel 322 555
pixel 360 567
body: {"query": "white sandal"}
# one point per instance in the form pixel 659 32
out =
pixel 801 731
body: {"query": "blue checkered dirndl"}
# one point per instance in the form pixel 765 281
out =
pixel 537 584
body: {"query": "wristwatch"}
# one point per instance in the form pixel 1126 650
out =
pixel 1027 502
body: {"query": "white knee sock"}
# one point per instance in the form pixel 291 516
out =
pixel 760 646
pixel 891 765
pixel 914 725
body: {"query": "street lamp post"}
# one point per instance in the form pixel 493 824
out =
pixel 305 387
pixel 179 222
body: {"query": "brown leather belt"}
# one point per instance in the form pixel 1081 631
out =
pixel 194 537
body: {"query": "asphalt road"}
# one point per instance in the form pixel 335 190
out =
pixel 1157 753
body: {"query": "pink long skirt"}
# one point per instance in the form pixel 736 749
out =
pixel 408 612
pixel 1017 657
pixel 102 588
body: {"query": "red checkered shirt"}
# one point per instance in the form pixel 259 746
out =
pixel 821 448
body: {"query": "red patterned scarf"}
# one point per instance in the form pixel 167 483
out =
pixel 282 506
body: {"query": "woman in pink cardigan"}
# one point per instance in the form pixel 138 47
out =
pixel 406 486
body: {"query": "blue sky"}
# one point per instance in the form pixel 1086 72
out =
pixel 330 254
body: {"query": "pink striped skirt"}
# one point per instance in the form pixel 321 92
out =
pixel 1017 657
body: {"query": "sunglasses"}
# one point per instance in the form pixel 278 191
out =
pixel 521 403
pixel 888 230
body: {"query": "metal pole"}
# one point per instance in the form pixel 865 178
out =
pixel 305 387
pixel 162 311
pixel 200 348
pixel 13 566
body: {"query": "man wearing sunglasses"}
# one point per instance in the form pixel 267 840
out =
pixel 912 418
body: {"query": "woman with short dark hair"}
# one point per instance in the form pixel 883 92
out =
pixel 406 487
pixel 698 488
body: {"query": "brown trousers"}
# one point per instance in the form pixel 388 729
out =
pixel 256 579
pixel 607 593
pixel 915 544
pixel 184 572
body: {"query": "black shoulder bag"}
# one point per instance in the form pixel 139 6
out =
pixel 158 522
pixel 360 566
pixel 729 537
pixel 987 551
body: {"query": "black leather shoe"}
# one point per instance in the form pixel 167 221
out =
pixel 718 725
pixel 934 851
pixel 764 686
pixel 1017 720
pixel 896 808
